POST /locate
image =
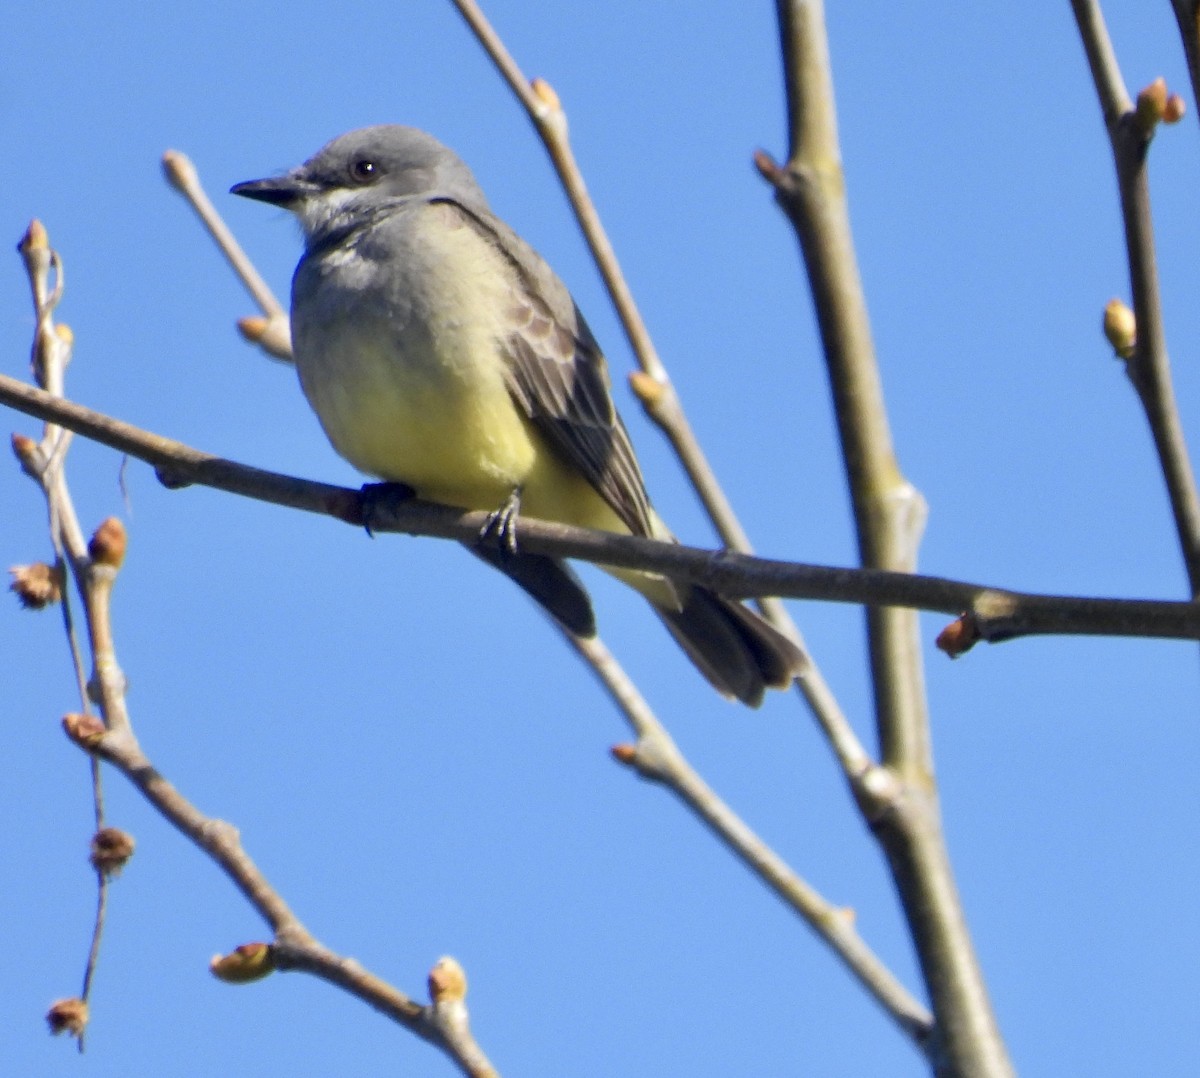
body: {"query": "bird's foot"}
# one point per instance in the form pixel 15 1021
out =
pixel 502 524
pixel 374 499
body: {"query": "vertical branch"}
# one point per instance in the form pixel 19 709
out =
pixel 1130 130
pixel 888 512
pixel 899 799
pixel 44 462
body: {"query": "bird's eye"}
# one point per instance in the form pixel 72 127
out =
pixel 364 170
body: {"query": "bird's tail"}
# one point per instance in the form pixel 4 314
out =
pixel 739 652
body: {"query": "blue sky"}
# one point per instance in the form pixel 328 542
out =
pixel 410 753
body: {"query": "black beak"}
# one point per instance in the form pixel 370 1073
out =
pixel 282 191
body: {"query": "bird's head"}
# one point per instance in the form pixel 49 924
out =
pixel 363 172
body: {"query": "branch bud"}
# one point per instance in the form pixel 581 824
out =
pixel 179 170
pixel 624 754
pixel 647 389
pixel 67 1016
pixel 24 449
pixel 447 981
pixel 110 851
pixel 85 730
pixel 272 335
pixel 37 585
pixel 1152 104
pixel 107 545
pixel 546 94
pixel 1120 327
pixel 959 636
pixel 35 238
pixel 244 964
pixel 1174 110
pixel 768 168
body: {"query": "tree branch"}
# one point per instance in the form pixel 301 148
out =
pixel 1130 131
pixel 889 515
pixel 1002 614
pixel 658 759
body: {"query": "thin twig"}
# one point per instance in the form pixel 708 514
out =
pixel 1130 132
pixel 656 757
pixel 274 335
pixel 51 355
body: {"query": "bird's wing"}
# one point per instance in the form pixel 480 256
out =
pixel 558 376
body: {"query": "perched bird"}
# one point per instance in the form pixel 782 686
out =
pixel 440 351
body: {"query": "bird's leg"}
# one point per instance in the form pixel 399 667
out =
pixel 374 499
pixel 502 524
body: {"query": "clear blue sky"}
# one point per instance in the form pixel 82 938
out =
pixel 411 754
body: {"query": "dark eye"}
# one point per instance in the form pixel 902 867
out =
pixel 364 170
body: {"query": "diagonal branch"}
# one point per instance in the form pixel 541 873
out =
pixel 658 759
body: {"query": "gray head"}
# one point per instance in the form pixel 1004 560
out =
pixel 364 172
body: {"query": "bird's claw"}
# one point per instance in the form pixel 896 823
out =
pixel 502 524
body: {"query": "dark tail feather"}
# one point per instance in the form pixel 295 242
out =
pixel 551 583
pixel 739 653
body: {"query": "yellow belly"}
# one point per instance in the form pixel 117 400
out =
pixel 456 438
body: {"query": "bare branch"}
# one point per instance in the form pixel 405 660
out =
pixel 656 757
pixel 1130 131
pixel 1002 614
pixel 274 333
pixel 889 515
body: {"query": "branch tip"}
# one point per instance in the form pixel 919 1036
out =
pixel 272 334
pixel 447 981
pixel 179 170
pixel 35 238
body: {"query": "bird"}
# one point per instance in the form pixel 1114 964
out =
pixel 440 351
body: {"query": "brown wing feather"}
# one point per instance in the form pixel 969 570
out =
pixel 557 374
